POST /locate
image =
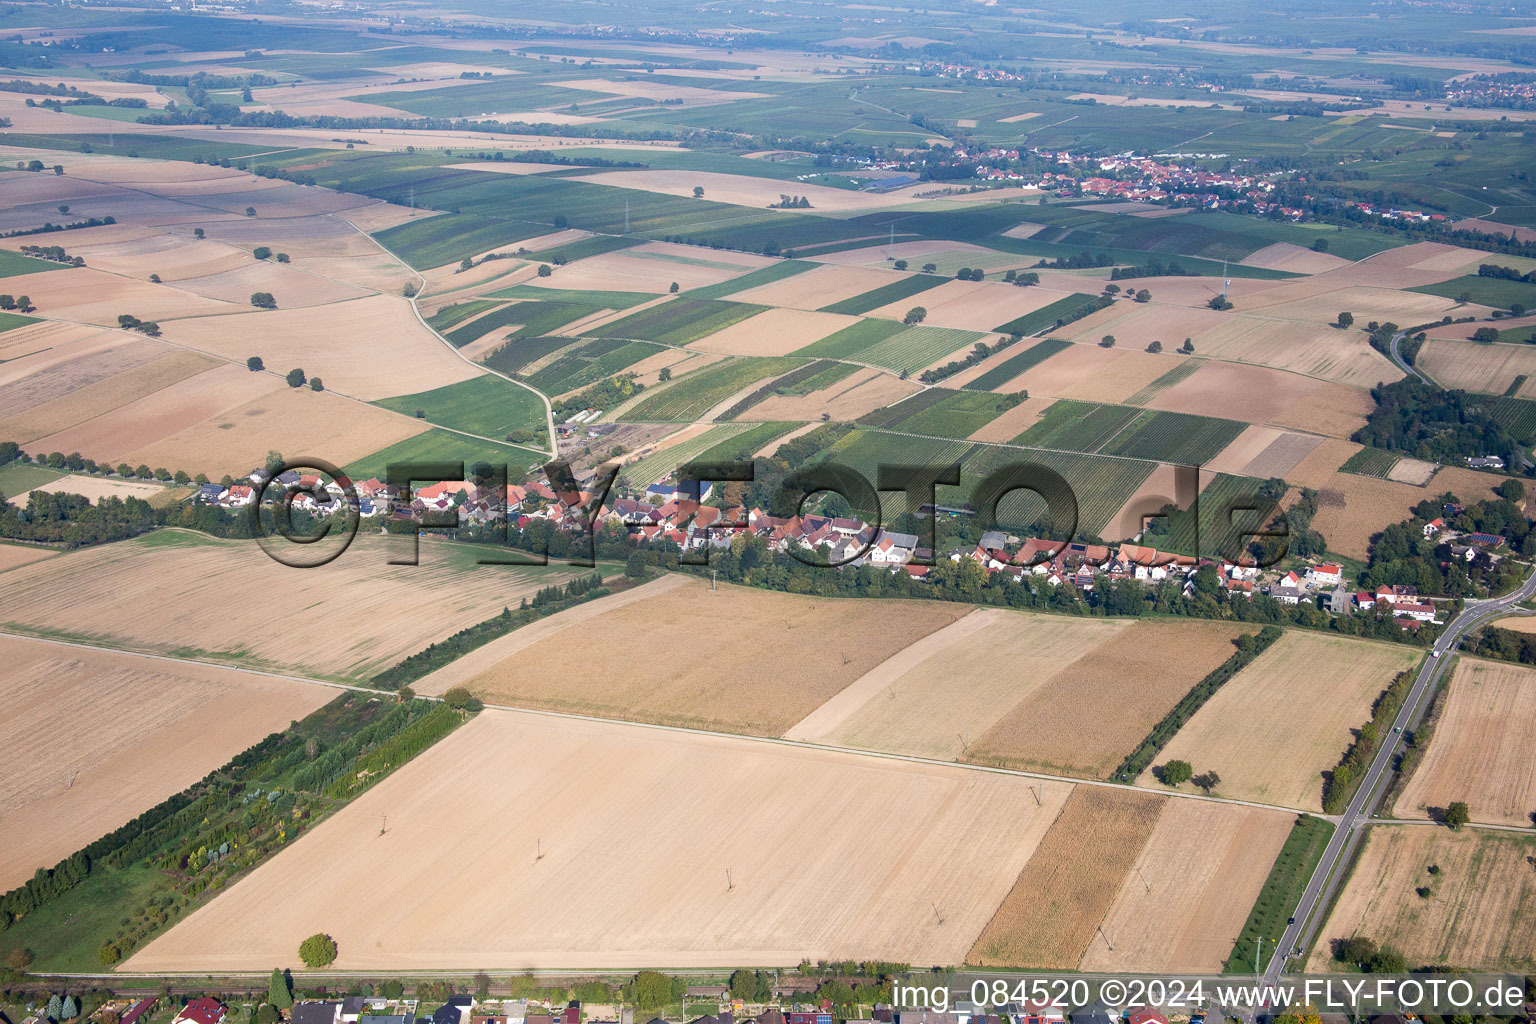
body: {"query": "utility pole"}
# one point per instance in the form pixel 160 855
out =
pixel 1226 282
pixel 626 216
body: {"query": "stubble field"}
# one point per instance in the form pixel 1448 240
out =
pixel 152 727
pixel 1483 750
pixel 602 846
pixel 1273 729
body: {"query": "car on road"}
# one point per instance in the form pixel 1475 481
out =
pixel 1291 921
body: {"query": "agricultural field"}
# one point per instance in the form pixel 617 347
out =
pixel 362 614
pixel 1479 911
pixel 437 445
pixel 448 238
pixel 1481 752
pixel 586 363
pixel 695 394
pixel 680 321
pixel 884 294
pixel 1273 730
pixel 960 414
pixel 712 685
pixel 722 893
pixel 1015 364
pixel 488 406
pixel 138 711
pixel 1488 369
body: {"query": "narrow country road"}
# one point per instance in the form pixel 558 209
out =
pixel 1318 894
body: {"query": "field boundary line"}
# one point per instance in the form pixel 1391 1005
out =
pixel 549 409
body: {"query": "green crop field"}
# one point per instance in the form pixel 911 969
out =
pixel 742 446
pixel 1174 437
pixel 13 264
pixel 580 249
pixel 901 288
pixel 531 319
pixel 1014 365
pixel 657 467
pixel 10 321
pixel 783 385
pixel 588 363
pixel 691 396
pixel 890 415
pixel 825 378
pixel 600 299
pixel 752 279
pixel 447 238
pixel 1057 314
pixel 449 317
pixel 1183 534
pixel 1100 485
pixel 1073 426
pixel 490 406
pixel 912 349
pixel 17 477
pixel 523 351
pixel 853 339
pixel 1485 291
pixel 680 321
pixel 959 414
pixel 442 446
pixel 1516 415
pixel 1179 372
pixel 1371 462
pixel 511 93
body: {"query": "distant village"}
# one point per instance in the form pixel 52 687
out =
pixel 677 515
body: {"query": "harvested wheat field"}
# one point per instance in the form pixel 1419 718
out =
pixel 1071 369
pixel 96 488
pixel 1264 452
pixel 227 600
pixel 1412 471
pixel 1137 325
pixel 1481 913
pixel 713 644
pixel 1483 750
pixel 642 270
pixel 938 695
pixel 1315 306
pixel 855 395
pixel 1294 258
pixel 1273 729
pixel 649 848
pixel 180 406
pixel 1087 714
pixel 971 305
pixel 138 714
pixel 1051 916
pixel 157 251
pixel 1353 508
pixel 1517 623
pixel 1015 421
pixel 819 287
pixel 82 293
pixel 1316 350
pixel 13 555
pixel 773 332
pixel 1464 331
pixel 1124 373
pixel 1184 903
pixel 289 286
pixel 1472 366
pixel 368 348
pixel 1257 394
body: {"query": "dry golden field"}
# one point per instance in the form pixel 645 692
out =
pixel 1483 750
pixel 1273 729
pixel 971 305
pixel 1312 349
pixel 698 656
pixel 604 846
pixel 227 600
pixel 1184 903
pixel 939 695
pixel 774 332
pixel 1051 916
pixel 1471 366
pixel 1258 394
pixel 154 727
pixel 1480 912
pixel 820 287
pixel 13 555
pixel 1092 710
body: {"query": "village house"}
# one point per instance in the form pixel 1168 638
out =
pixel 1325 574
pixel 201 1011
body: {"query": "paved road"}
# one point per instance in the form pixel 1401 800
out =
pixel 1320 889
pixel 1402 364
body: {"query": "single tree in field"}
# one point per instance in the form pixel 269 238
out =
pixel 1457 814
pixel 930 268
pixel 1176 773
pixel 282 257
pixel 315 384
pixel 197 232
pixel 1220 302
pixel 296 378
pixel 319 950
pixel 261 252
pixel 1345 319
pixel 1108 341
pixel 250 211
pixel 154 278
pixel 665 374
pixel 1143 296
pixel 1486 335
pixel 900 265
pixel 545 270
pixel 1155 347
pixel 1189 347
pixel 254 364
pixel 1321 245
pixel 915 315
pixel 698 191
pixel 263 300
pixel 672 288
